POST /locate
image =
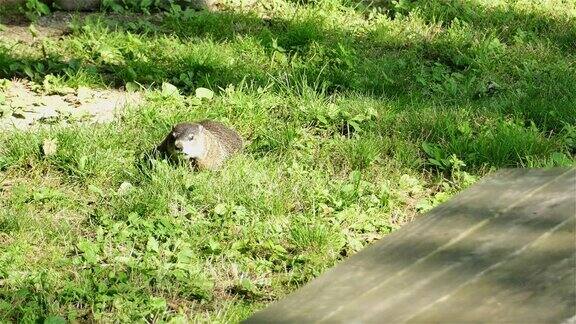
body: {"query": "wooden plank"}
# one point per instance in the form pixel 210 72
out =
pixel 503 250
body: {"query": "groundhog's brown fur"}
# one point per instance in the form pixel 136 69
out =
pixel 215 142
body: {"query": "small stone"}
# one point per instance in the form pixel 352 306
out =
pixel 49 147
pixel 125 187
pixel 204 93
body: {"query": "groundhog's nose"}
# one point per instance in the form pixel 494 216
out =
pixel 178 145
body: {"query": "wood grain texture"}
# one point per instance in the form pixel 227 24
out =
pixel 502 251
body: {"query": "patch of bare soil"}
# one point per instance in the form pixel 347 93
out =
pixel 57 24
pixel 17 28
pixel 23 107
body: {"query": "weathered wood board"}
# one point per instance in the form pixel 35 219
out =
pixel 503 250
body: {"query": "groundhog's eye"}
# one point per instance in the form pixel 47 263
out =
pixel 190 137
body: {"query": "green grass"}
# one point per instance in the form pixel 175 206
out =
pixel 357 120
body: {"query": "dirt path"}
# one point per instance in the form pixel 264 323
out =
pixel 24 105
pixel 16 28
pixel 23 108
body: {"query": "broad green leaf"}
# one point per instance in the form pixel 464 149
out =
pixel 132 86
pixel 33 30
pixel 220 209
pixel 28 71
pixel 247 285
pixel 43 8
pixel 428 148
pixel 145 3
pixel 89 250
pixel 355 176
pixel 204 93
pixel 152 244
pixel 435 162
pixel 355 125
pixel 54 320
pixel 82 162
pixel 169 90
pixel 95 189
pixel 354 244
pixel 157 303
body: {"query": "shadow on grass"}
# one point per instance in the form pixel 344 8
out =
pixel 474 69
pixel 507 23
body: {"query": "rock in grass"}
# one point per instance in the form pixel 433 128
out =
pixel 49 147
pixel 125 188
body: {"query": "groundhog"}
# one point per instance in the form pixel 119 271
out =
pixel 206 144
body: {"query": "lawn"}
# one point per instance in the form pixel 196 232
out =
pixel 358 118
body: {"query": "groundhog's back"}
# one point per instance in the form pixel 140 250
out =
pixel 227 136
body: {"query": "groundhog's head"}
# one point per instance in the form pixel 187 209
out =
pixel 188 140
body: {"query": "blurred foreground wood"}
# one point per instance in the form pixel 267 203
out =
pixel 502 251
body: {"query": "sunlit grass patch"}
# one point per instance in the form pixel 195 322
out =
pixel 356 119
